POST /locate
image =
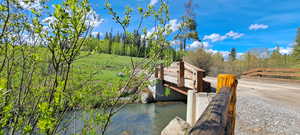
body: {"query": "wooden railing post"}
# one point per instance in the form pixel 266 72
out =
pixel 180 74
pixel 199 81
pixel 161 72
pixel 219 117
pixel 156 72
pixel 228 80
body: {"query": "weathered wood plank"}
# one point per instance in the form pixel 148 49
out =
pixel 216 120
pixel 192 67
pixel 275 74
pixel 180 75
pixel 173 87
pixel 188 83
pixel 161 71
pixel 199 81
pixel 272 70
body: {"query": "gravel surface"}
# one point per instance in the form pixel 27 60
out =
pixel 258 116
pixel 267 107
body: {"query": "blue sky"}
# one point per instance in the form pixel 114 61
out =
pixel 276 21
pixel 222 24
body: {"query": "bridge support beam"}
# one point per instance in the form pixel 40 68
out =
pixel 159 92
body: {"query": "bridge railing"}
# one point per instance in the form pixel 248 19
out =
pixel 182 74
pixel 219 116
pixel 273 72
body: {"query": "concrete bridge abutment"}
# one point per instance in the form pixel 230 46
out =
pixel 196 105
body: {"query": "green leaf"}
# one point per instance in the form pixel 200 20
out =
pixel 3 8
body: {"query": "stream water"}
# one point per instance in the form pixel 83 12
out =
pixel 140 119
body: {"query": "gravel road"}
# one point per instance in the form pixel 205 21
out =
pixel 267 107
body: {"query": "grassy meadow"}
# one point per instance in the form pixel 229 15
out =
pixel 102 67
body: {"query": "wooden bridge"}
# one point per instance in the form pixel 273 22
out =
pixel 181 77
pixel 216 117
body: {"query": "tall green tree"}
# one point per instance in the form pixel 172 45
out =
pixel 110 42
pixel 296 51
pixel 232 55
pixel 188 27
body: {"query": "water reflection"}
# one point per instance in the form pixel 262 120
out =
pixel 136 119
pixel 145 119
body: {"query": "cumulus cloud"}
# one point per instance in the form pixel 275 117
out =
pixel 30 5
pixel 234 35
pixel 173 25
pixel 214 37
pixel 258 26
pixel 174 42
pixel 217 37
pixel 93 19
pixel 284 50
pixel 49 20
pixel 287 50
pixel 293 44
pixel 198 44
pixel 153 2
pixel 224 53
pixel 95 34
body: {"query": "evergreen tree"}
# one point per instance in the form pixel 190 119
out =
pixel 110 42
pixel 276 58
pixel 98 35
pixel 188 27
pixel 106 37
pixel 117 38
pixel 232 55
pixel 296 51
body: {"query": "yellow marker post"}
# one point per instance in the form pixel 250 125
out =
pixel 226 80
pixel 229 80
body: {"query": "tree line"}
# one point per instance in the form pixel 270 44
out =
pixel 134 45
pixel 254 58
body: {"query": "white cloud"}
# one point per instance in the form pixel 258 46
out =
pixel 287 50
pixel 212 51
pixel 234 35
pixel 49 20
pixel 30 4
pixel 153 2
pixel 239 55
pixel 214 37
pixel 258 26
pixel 217 37
pixel 149 33
pixel 282 50
pixel 93 19
pixel 174 42
pixel 173 25
pixel 293 44
pixel 95 34
pixel 198 44
pixel 224 53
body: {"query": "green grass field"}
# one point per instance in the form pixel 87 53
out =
pixel 104 67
